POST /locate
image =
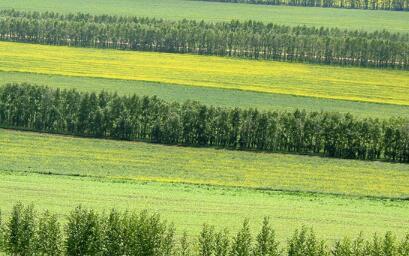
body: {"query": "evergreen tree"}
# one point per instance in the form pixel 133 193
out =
pixel 241 245
pixel 266 243
pixel 389 245
pixel 358 246
pixel 84 233
pixel 184 246
pixel 49 237
pixel 404 246
pixel 304 243
pixel 206 241
pixel 221 243
pixel 21 231
pixel 168 242
pixel 113 234
pixel 374 248
pixel 342 248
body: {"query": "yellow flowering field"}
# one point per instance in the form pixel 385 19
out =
pixel 330 82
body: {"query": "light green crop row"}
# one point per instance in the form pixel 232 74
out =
pixel 118 160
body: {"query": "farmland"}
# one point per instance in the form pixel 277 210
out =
pixel 41 153
pixel 207 113
pixel 181 9
pixel 356 84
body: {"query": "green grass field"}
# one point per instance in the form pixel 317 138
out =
pixel 330 82
pixel 210 96
pixel 118 160
pixel 191 206
pixel 180 9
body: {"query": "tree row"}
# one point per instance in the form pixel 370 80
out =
pixel 87 232
pixel 253 40
pixel 150 119
pixel 392 5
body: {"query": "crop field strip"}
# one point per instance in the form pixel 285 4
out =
pixel 117 160
pixel 181 9
pixel 210 96
pixel 224 207
pixel 356 84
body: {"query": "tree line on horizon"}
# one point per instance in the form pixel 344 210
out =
pixel 86 232
pixel 249 39
pixel 390 5
pixel 150 119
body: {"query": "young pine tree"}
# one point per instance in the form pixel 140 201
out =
pixel 146 234
pixel 206 241
pixel 266 243
pixel 150 234
pixel 12 230
pixel 113 234
pixel 241 245
pixel 221 243
pixel 342 248
pixel 389 245
pixel 358 246
pixel 374 248
pixel 184 248
pixel 304 243
pixel 403 248
pixel 315 247
pixel 296 245
pixel 168 242
pixel 49 237
pixel 84 233
pixel 21 231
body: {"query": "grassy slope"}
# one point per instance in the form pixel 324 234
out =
pixel 211 96
pixel 358 84
pixel 33 152
pixel 190 206
pixel 179 9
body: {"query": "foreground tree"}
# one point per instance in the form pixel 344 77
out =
pixel 84 233
pixel 49 236
pixel 20 233
pixel 241 245
pixel 266 243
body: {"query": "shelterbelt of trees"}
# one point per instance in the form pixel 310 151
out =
pixel 153 120
pixel 251 39
pixel 393 5
pixel 26 232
